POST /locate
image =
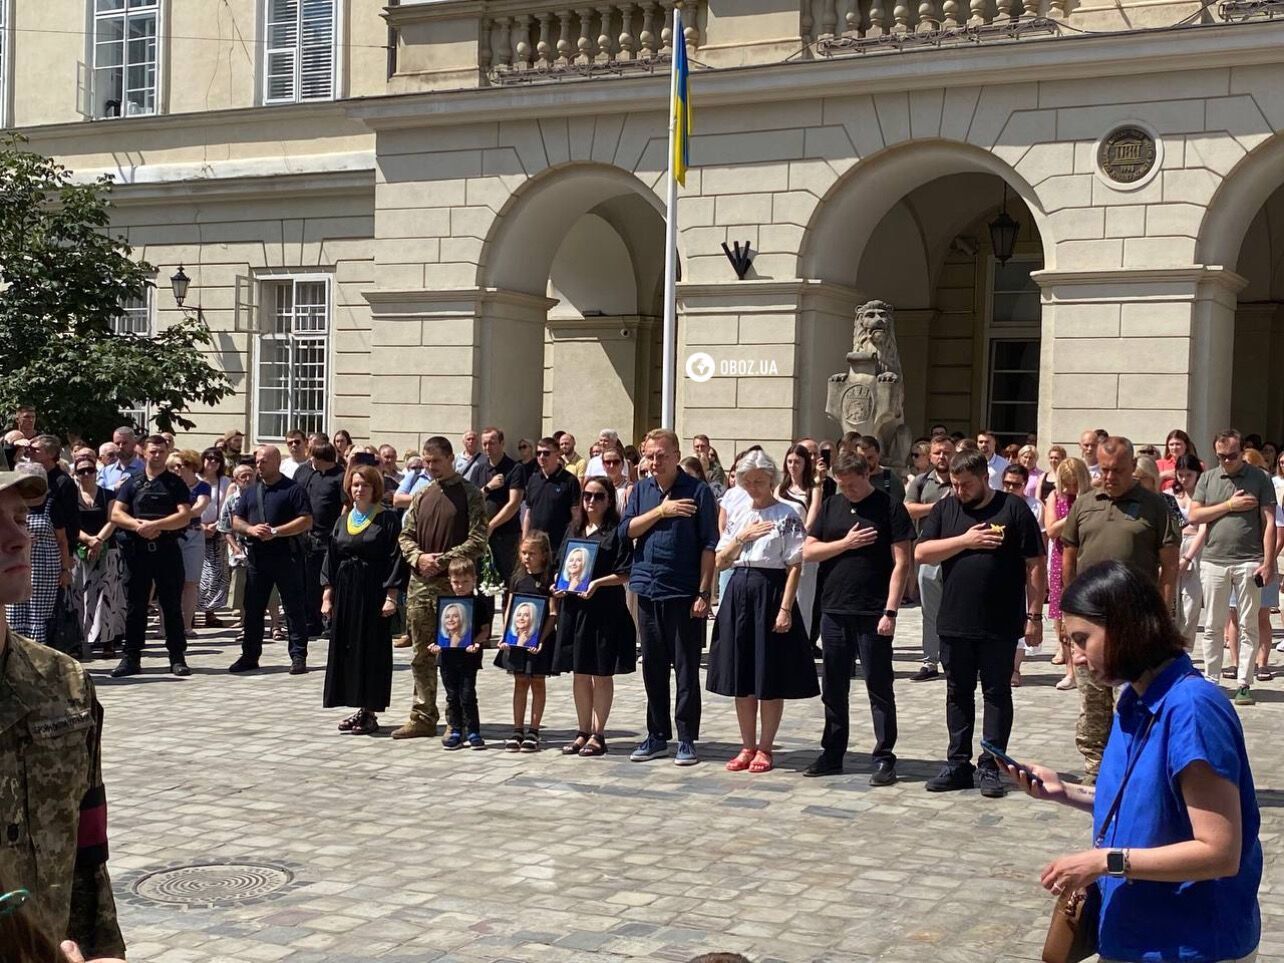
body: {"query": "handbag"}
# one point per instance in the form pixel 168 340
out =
pixel 1072 932
pixel 62 631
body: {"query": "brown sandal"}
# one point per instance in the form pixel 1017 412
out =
pixel 596 746
pixel 576 747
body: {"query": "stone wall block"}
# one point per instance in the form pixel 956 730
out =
pixel 750 178
pixel 752 209
pixel 1165 116
pixel 525 139
pixel 754 393
pixel 1158 252
pixel 606 137
pixel 1127 221
pixel 471 221
pixel 1090 255
pixel 1193 186
pixel 793 207
pixel 1213 151
pixel 1078 223
pixel 1155 319
pixel 1163 391
pixel 1027 129
pixel 995 107
pixel 730 149
pixel 1067 190
pixel 393 389
pixel 711 329
pixel 859 118
pixel 555 132
pixel 960 107
pixel 580 136
pixel 925 107
pixel 1081 390
pixel 1104 195
pixel 1086 320
pixel 828 143
pixel 1240 117
pixel 418 223
pixel 1122 355
pixel 767 328
pixel 893 116
pixel 811 175
pixel 1140 425
pixel 1170 219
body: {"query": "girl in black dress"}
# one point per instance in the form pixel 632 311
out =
pixel 596 637
pixel 361 575
pixel 529 667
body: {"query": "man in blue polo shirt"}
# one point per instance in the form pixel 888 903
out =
pixel 674 520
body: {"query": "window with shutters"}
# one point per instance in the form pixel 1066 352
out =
pixel 137 318
pixel 300 52
pixel 125 69
pixel 292 355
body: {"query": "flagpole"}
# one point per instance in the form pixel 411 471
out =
pixel 668 384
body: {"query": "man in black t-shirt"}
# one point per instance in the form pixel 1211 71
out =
pixel 321 478
pixel 270 516
pixel 503 483
pixel 152 509
pixel 861 538
pixel 991 556
pixel 552 495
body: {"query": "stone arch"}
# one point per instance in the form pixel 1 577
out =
pixel 1242 193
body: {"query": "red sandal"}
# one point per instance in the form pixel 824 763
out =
pixel 742 761
pixel 762 762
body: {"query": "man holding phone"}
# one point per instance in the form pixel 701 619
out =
pixel 990 551
pixel 1237 503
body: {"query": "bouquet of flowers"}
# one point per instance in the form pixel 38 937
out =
pixel 488 580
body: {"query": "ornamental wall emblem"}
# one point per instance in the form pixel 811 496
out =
pixel 1127 155
pixel 858 404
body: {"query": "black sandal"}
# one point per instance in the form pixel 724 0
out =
pixel 368 725
pixel 574 748
pixel 596 745
pixel 354 720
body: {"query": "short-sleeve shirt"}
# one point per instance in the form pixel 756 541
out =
pixel 195 492
pixel 983 595
pixel 1142 920
pixel 414 482
pixel 497 498
pixel 64 505
pixel 926 489
pixel 1132 528
pixel 551 499
pixel 667 556
pixel 149 499
pixel 324 491
pixel 1236 536
pixel 886 480
pixel 856 582
pixel 282 502
pixel 779 548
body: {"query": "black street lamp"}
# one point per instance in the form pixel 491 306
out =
pixel 1003 232
pixel 179 282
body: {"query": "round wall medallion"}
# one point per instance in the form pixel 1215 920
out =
pixel 1127 154
pixel 216 884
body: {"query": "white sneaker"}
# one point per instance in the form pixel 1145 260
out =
pixel 1279 646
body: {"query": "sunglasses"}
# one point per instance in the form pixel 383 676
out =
pixel 611 461
pixel 593 496
pixel 86 471
pixel 543 453
pixel 1222 456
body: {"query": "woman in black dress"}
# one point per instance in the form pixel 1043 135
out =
pixel 361 575
pixel 596 637
pixel 98 584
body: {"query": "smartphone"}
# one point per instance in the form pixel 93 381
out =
pixel 1007 760
pixel 1258 581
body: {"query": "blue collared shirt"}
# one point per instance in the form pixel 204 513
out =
pixel 414 481
pixel 112 476
pixel 1211 920
pixel 666 560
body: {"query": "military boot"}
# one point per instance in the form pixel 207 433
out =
pixel 414 729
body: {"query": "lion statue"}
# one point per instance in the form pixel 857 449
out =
pixel 875 338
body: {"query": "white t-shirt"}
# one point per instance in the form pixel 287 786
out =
pixel 733 502
pixel 777 549
pixel 289 466
pixel 998 464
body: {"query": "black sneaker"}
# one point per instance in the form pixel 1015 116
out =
pixel 243 665
pixel 950 779
pixel 823 767
pixel 126 667
pixel 884 774
pixel 991 783
pixel 298 667
pixel 179 669
pixel 926 671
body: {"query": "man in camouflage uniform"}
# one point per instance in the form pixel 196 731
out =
pixel 53 808
pixel 445 521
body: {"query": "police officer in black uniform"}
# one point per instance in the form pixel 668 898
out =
pixel 152 510
pixel 321 479
pixel 270 516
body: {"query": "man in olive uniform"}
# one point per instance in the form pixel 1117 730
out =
pixel 446 521
pixel 53 808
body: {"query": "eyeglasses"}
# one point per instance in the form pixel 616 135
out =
pixel 593 496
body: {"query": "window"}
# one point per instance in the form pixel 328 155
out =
pixel 1015 313
pixel 300 61
pixel 293 346
pixel 125 57
pixel 136 319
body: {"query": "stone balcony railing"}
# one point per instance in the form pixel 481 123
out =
pixel 833 25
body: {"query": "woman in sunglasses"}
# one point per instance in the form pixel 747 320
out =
pixel 98 581
pixel 596 635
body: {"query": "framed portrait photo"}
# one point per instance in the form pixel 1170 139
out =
pixel 577 566
pixel 454 622
pixel 525 620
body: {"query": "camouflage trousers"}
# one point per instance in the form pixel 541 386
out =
pixel 421 624
pixel 1096 713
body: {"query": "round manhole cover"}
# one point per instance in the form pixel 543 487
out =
pixel 212 884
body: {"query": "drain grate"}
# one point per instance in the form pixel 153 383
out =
pixel 213 884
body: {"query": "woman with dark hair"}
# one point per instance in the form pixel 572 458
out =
pixel 1176 860
pixel 803 490
pixel 98 584
pixel 1177 443
pixel 216 577
pixel 596 635
pixel 693 468
pixel 342 442
pixel 1190 591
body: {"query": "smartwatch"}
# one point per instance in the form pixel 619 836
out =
pixel 704 595
pixel 889 613
pixel 272 530
pixel 1117 863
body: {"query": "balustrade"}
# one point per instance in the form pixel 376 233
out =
pixel 883 18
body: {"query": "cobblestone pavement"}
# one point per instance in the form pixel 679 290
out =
pixel 402 851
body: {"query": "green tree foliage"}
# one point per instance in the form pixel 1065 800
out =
pixel 63 279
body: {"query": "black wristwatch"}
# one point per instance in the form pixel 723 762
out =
pixel 889 613
pixel 704 595
pixel 1117 863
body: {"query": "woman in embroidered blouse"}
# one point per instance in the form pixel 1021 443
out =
pixel 1175 817
pixel 760 654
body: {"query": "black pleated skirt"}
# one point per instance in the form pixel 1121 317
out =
pixel 748 658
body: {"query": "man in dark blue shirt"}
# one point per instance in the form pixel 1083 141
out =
pixel 270 516
pixel 674 519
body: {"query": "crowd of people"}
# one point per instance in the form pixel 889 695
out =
pixel 591 561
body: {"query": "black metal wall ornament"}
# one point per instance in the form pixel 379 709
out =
pixel 741 258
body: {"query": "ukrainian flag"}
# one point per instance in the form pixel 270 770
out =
pixel 681 107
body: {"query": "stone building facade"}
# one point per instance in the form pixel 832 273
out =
pixel 449 213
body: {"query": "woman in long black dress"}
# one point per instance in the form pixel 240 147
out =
pixel 596 637
pixel 760 653
pixel 361 575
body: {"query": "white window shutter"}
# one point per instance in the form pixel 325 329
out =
pixel 247 317
pixel 85 90
pixel 316 49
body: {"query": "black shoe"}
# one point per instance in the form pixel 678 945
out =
pixel 823 767
pixel 127 666
pixel 925 672
pixel 884 774
pixel 243 665
pixel 950 779
pixel 298 667
pixel 179 669
pixel 991 783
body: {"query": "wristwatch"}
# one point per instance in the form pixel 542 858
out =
pixel 704 595
pixel 272 529
pixel 1034 617
pixel 889 613
pixel 1117 863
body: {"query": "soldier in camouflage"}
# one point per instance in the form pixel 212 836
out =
pixel 53 808
pixel 445 521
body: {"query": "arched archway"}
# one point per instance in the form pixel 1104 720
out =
pixel 910 225
pixel 588 240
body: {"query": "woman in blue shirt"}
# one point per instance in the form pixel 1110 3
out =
pixel 1179 865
